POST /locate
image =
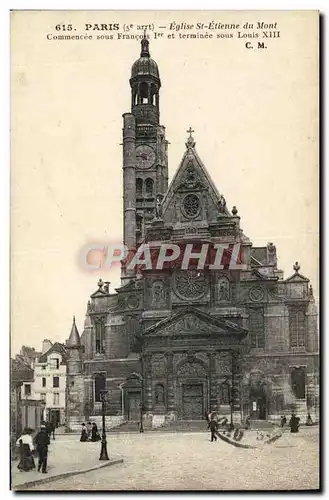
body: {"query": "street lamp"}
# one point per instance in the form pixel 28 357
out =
pixel 232 390
pixel 103 455
pixel 141 428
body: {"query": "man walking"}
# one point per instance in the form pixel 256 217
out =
pixel 42 441
pixel 213 426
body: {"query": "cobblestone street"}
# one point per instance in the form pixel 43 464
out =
pixel 189 461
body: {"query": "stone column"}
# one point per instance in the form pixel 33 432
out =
pixel 171 403
pixel 147 368
pixel 212 381
pixel 236 382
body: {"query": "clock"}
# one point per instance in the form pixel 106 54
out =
pixel 145 156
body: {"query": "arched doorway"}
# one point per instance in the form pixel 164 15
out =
pixel 192 382
pixel 132 394
pixel 258 402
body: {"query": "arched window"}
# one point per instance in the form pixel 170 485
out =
pixel 100 383
pixel 149 187
pixel 153 92
pixel 297 328
pixel 99 336
pixel 139 187
pixel 143 92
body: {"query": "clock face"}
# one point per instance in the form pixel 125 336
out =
pixel 145 156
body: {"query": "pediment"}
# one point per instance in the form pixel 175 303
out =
pixel 191 322
pixel 191 176
pixel 297 278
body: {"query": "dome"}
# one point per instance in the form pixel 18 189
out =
pixel 145 66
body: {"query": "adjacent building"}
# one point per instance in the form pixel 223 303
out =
pixel 175 343
pixel 49 381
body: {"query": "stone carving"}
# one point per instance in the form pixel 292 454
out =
pixel 133 302
pixel 187 324
pixel 225 365
pixel 121 302
pixel 191 370
pixel 159 394
pixel 223 290
pixel 191 206
pixel 190 284
pixel 158 207
pixel 159 295
pixel 256 294
pixel 191 179
pixel 271 253
pixel 222 205
pixel 158 365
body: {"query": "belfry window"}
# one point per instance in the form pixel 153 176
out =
pixel 297 324
pixel 149 187
pixel 153 92
pixel 143 92
pixel 100 331
pixel 139 187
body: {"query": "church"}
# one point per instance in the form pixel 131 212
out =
pixel 175 342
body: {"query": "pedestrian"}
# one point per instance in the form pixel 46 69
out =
pixel 49 428
pixel 283 421
pixel 89 429
pixel 52 428
pixel 309 420
pixel 94 433
pixel 84 434
pixel 26 447
pixel 247 423
pixel 213 426
pixel 294 423
pixel 42 441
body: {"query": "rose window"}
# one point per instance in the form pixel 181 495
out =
pixel 190 284
pixel 191 205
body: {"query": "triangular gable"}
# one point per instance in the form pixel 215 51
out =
pixel 98 293
pixel 297 278
pixel 189 321
pixel 57 348
pixel 202 179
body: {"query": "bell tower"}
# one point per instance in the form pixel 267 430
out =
pixel 145 162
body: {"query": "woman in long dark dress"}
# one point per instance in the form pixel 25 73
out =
pixel 26 448
pixel 84 434
pixel 94 433
pixel 294 423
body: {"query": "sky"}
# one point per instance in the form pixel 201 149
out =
pixel 255 118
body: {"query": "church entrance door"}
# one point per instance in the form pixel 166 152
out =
pixel 192 401
pixel 134 400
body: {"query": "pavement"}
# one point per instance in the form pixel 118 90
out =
pixel 189 461
pixel 66 458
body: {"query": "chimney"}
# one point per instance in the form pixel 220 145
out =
pixel 46 345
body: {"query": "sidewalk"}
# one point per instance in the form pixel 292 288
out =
pixel 66 457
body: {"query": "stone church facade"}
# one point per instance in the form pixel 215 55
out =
pixel 173 343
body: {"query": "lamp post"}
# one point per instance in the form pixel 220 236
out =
pixel 232 390
pixel 141 428
pixel 103 455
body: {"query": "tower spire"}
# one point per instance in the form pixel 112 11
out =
pixel 145 46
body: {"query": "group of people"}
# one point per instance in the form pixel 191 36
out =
pixel 294 422
pixel 28 446
pixel 89 432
